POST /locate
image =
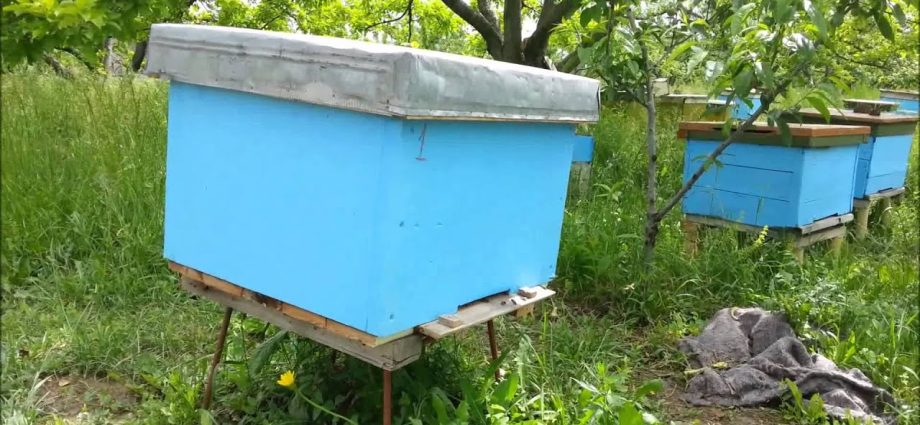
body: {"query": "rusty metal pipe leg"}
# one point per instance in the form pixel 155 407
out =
pixel 493 346
pixel 218 354
pixel 387 397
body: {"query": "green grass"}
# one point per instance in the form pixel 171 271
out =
pixel 86 294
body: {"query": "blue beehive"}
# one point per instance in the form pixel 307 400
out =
pixel 883 159
pixel 762 180
pixel 907 100
pixel 374 185
pixel 740 110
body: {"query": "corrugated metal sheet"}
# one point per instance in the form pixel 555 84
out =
pixel 374 78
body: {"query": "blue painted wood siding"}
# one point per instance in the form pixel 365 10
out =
pixel 905 106
pixel 378 223
pixel 583 150
pixel 882 164
pixel 772 186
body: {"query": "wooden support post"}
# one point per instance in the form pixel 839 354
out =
pixel 581 179
pixel 861 210
pixel 493 346
pixel 797 251
pixel 215 361
pixel 836 245
pixel 691 237
pixel 886 205
pixel 387 397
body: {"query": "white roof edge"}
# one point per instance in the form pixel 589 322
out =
pixel 373 78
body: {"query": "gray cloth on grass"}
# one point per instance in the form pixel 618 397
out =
pixel 757 351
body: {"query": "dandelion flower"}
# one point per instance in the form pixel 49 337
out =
pixel 287 379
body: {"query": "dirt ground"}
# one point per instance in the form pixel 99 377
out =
pixel 682 413
pixel 78 399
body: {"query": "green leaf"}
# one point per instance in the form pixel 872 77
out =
pixel 506 390
pixel 898 13
pixel 437 403
pixel 629 415
pixel 787 139
pixel 818 103
pixel 884 25
pixel 264 352
pixel 699 54
pixel 817 18
pixel 650 387
pixel 743 81
pixel 681 49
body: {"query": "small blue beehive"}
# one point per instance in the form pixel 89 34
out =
pixel 883 159
pixel 740 109
pixel 908 101
pixel 374 185
pixel 763 180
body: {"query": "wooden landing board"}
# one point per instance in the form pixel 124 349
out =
pixel 216 284
pixel 821 230
pixel 890 193
pixel 483 311
pixel 391 355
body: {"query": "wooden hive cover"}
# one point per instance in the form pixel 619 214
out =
pixel 881 125
pixel 803 135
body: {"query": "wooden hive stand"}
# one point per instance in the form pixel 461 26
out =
pixel 862 208
pixel 388 353
pixel 831 229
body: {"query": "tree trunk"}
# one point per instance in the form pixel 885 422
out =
pixel 651 191
pixel 108 61
pixel 140 51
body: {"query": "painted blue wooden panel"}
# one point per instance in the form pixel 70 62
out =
pixel 771 185
pixel 906 106
pixel 885 165
pixel 741 110
pixel 378 223
pixel 828 176
pixel 583 151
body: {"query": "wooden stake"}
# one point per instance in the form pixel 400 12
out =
pixel 886 211
pixel 215 361
pixel 387 397
pixel 493 346
pixel 861 212
pixel 691 237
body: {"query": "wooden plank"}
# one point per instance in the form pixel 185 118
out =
pixel 391 355
pixel 826 223
pixel 214 282
pixel 804 230
pixel 822 235
pixel 484 310
pixel 289 310
pixel 889 193
pixel 803 130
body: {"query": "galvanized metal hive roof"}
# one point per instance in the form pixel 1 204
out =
pixel 374 78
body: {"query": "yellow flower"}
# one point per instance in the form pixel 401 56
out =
pixel 287 379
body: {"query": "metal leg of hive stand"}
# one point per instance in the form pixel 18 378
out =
pixel 218 354
pixel 493 346
pixel 387 397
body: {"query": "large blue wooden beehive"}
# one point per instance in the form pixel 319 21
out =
pixel 883 159
pixel 763 180
pixel 909 101
pixel 377 186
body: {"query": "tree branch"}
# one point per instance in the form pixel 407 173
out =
pixel 489 34
pixel 551 15
pixel 485 8
pixel 390 21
